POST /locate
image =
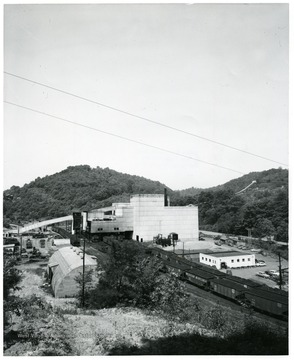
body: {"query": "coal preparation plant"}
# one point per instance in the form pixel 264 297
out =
pixel 145 216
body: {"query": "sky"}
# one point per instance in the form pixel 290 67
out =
pixel 218 71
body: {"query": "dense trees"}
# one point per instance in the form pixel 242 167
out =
pixel 76 188
pixel 263 207
pixel 129 277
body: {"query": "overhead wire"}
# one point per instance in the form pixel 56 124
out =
pixel 144 118
pixel 121 137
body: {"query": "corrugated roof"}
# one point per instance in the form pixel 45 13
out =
pixel 68 258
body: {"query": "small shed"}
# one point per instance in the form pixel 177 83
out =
pixel 60 242
pixel 63 267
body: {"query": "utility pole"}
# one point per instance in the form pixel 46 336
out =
pixel 183 249
pixel 280 273
pixel 83 288
pixel 249 235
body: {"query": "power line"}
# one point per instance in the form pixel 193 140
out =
pixel 144 118
pixel 121 137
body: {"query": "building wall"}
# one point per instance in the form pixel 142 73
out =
pixel 123 222
pixel 41 244
pixel 235 261
pixel 151 217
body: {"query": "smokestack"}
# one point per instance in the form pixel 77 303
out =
pixel 165 197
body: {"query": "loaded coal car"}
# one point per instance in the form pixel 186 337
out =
pixel 180 260
pixel 227 288
pixel 246 283
pixel 198 277
pixel 269 301
pixel 174 268
pixel 160 253
pixel 213 271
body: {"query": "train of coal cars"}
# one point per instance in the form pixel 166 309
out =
pixel 245 292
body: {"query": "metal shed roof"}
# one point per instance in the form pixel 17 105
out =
pixel 68 258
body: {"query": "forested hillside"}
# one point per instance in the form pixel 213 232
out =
pixel 262 207
pixel 74 189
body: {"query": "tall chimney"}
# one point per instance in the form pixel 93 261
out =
pixel 165 197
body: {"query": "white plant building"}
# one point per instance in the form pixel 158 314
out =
pixel 145 216
pixel 228 259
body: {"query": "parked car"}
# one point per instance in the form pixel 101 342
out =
pixel 262 274
pixel 273 272
pixel 260 262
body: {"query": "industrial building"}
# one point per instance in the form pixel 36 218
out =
pixel 63 267
pixel 228 259
pixel 145 216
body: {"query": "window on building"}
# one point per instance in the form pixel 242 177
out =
pixel 42 243
pixel 238 260
pixel 116 228
pixel 205 259
pixel 232 260
pixel 248 259
pixel 209 260
pixel 100 229
pixel 243 259
pixel 202 257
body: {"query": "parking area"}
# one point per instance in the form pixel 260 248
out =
pixel 271 260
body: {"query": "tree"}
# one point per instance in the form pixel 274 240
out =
pixel 118 275
pixel 85 285
pixel 41 331
pixel 263 227
pixel 11 276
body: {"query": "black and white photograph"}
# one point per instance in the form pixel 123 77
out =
pixel 145 179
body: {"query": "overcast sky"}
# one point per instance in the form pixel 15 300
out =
pixel 217 71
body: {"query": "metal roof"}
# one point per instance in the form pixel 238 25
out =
pixel 68 258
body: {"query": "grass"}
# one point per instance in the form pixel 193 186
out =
pixel 251 341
